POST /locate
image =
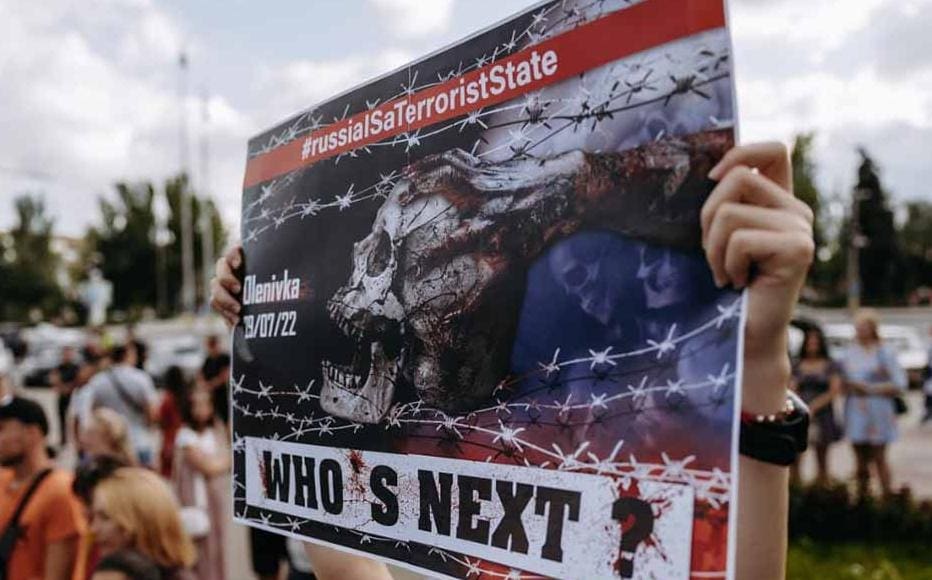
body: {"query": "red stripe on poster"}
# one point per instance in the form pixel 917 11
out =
pixel 619 34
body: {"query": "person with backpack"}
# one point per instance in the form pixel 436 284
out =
pixel 41 521
pixel 131 393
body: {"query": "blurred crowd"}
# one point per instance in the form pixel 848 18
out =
pixel 856 396
pixel 140 485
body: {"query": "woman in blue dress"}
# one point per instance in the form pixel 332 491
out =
pixel 874 379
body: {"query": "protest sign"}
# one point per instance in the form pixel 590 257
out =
pixel 479 336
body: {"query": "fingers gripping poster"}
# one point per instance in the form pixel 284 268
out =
pixel 479 336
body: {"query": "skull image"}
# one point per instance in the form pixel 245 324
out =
pixel 662 278
pixel 450 247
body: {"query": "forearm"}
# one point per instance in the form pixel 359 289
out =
pixel 820 402
pixel 763 489
pixel 330 564
pixel 885 390
pixel 60 558
pixel 763 503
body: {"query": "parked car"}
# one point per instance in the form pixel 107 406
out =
pixel 905 341
pixel 44 344
pixel 185 352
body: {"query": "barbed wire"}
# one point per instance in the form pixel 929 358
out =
pixel 601 95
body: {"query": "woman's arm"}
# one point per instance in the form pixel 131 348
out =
pixel 208 465
pixel 757 235
pixel 897 381
pixel 825 399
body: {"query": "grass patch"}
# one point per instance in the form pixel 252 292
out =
pixel 811 561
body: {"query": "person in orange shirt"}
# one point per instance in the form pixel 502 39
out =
pixel 51 520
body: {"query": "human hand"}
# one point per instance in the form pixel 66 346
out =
pixel 756 234
pixel 225 286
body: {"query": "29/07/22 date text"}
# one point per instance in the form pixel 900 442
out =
pixel 270 324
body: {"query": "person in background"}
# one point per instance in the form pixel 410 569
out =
pixel 6 366
pixel 64 380
pixel 131 393
pixel 106 434
pixel 215 377
pixel 132 339
pixel 126 565
pixel 818 380
pixel 300 567
pixel 202 461
pixel 267 552
pixel 16 373
pixel 873 379
pixel 134 509
pixel 175 394
pixel 86 477
pixel 927 383
pixel 52 521
pixel 93 360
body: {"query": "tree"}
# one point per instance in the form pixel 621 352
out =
pixel 821 277
pixel 879 258
pixel 125 245
pixel 804 186
pixel 28 265
pixel 127 248
pixel 915 242
pixel 173 192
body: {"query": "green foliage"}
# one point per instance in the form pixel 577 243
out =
pixel 28 264
pixel 832 514
pixel 879 258
pixel 808 560
pixel 125 244
pixel 824 275
pixel 804 186
pixel 836 536
pixel 915 242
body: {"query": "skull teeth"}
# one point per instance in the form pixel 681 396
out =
pixel 344 324
pixel 341 378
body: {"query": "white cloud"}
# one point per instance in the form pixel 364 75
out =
pixel 89 91
pixel 89 97
pixel 300 84
pixel 856 73
pixel 414 18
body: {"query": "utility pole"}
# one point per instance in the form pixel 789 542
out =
pixel 207 208
pixel 188 294
pixel 856 242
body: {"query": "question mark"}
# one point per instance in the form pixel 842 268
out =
pixel 632 534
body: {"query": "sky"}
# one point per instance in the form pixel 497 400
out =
pixel 90 90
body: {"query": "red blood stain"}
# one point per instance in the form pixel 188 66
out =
pixel 357 464
pixel 262 478
pixel 356 461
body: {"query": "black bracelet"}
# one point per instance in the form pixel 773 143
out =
pixel 778 439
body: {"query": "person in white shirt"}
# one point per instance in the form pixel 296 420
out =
pixel 202 459
pixel 131 393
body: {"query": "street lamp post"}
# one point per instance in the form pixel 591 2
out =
pixel 857 241
pixel 188 295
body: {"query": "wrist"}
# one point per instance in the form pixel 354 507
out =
pixel 765 381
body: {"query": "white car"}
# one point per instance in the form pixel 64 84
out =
pixel 185 352
pixel 904 340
